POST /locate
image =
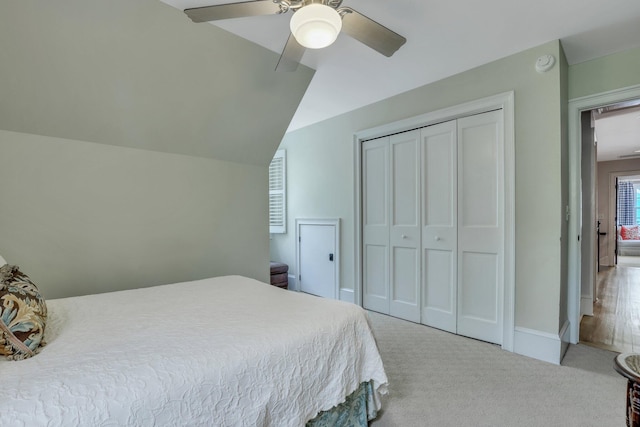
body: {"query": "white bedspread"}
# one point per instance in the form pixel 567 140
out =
pixel 227 351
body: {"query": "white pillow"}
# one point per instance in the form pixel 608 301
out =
pixel 2 261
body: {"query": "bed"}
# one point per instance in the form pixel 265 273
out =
pixel 226 351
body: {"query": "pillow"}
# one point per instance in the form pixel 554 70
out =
pixel 23 314
pixel 629 232
pixel 2 261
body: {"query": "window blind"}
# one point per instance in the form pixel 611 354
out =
pixel 277 193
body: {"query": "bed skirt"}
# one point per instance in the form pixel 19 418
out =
pixel 357 410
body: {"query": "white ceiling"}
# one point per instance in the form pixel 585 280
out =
pixel 443 38
pixel 618 134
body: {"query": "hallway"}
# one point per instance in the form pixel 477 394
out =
pixel 615 324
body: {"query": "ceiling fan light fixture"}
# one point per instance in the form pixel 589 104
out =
pixel 316 25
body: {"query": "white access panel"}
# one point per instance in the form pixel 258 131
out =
pixel 439 225
pixel 375 225
pixel 480 226
pixel 318 257
pixel 404 232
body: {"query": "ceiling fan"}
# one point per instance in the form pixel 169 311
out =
pixel 314 24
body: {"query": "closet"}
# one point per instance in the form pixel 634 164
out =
pixel 433 225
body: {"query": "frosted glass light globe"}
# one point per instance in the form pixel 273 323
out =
pixel 316 25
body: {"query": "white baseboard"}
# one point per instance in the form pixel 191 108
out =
pixel 293 284
pixel 542 345
pixel 347 295
pixel 586 306
pixel 565 338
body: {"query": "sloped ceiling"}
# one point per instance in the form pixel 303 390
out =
pixel 443 38
pixel 140 74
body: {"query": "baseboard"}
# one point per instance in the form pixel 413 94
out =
pixel 565 338
pixel 586 306
pixel 293 285
pixel 541 345
pixel 347 295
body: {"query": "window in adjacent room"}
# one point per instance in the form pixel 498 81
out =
pixel 278 193
pixel 629 202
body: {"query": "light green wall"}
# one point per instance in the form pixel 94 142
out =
pixel 320 167
pixel 141 74
pixel 83 218
pixel 604 74
pixel 134 145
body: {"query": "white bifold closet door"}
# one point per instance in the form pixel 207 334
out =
pixel 440 226
pixel 481 226
pixel 391 225
pixel 463 226
pixel 433 225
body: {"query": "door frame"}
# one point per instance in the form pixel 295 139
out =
pixel 503 101
pixel 576 107
pixel 335 222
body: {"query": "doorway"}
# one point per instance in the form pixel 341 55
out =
pixel 606 300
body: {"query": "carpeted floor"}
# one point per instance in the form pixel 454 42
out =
pixel 440 379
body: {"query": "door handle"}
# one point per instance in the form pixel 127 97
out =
pixel 331 257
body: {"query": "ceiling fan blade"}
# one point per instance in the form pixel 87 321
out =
pixel 233 10
pixel 291 55
pixel 369 32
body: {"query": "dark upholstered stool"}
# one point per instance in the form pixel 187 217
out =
pixel 628 365
pixel 280 275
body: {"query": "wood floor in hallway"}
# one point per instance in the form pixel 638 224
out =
pixel 615 324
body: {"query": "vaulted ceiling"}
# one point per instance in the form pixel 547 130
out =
pixel 138 74
pixel 443 38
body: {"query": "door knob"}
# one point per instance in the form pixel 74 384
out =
pixel 404 236
pixel 438 238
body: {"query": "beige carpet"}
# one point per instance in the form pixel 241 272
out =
pixel 440 379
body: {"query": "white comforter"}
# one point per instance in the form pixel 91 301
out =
pixel 227 351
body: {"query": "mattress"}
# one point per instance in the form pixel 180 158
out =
pixel 227 351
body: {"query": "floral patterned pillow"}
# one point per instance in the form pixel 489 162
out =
pixel 629 232
pixel 23 314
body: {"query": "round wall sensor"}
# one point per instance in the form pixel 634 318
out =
pixel 545 63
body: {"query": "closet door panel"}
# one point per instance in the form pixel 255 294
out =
pixel 404 233
pixel 439 224
pixel 375 230
pixel 480 226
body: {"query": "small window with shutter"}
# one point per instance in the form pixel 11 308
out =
pixel 277 193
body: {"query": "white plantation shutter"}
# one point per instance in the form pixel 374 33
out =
pixel 277 193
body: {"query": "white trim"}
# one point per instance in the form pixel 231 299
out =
pixel 347 295
pixel 503 101
pixel 586 305
pixel 564 339
pixel 335 222
pixel 576 106
pixel 293 283
pixel 357 223
pixel 541 345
